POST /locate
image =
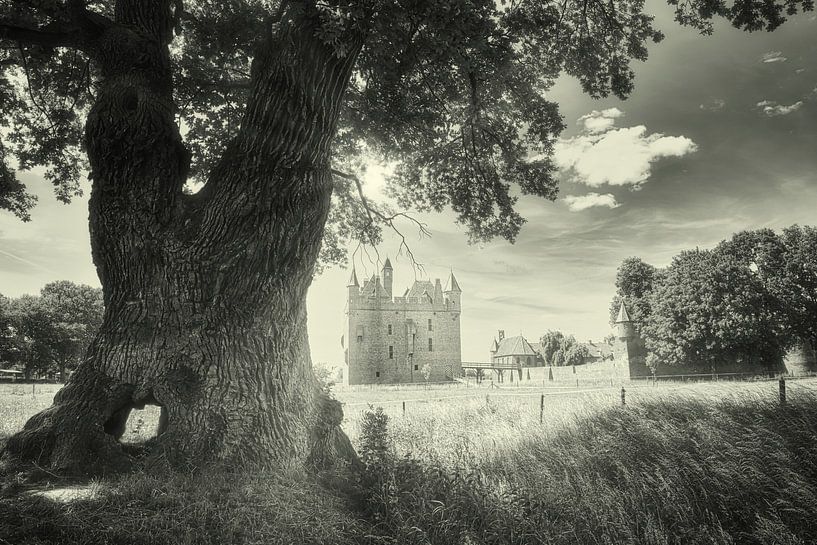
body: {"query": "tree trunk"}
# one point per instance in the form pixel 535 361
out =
pixel 205 295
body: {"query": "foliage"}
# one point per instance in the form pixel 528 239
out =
pixel 49 333
pixel 744 302
pixel 454 93
pixel 634 283
pixel 558 350
pixel 710 309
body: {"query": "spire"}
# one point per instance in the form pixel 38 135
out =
pixel 352 279
pixel 622 315
pixel 387 264
pixel 452 284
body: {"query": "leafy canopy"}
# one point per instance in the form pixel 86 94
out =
pixel 452 91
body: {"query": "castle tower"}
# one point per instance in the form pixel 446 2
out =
pixel 453 292
pixel 629 347
pixel 388 277
pixel 624 326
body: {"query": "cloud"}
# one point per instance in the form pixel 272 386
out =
pixel 616 156
pixel 773 56
pixel 714 105
pixel 577 203
pixel 599 121
pixel 799 70
pixel 773 109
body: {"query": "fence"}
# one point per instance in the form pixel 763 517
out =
pixel 622 394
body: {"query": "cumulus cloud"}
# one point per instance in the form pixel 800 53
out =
pixel 616 156
pixel 576 203
pixel 773 109
pixel 599 121
pixel 773 56
pixel 713 105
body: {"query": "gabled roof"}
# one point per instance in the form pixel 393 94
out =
pixel 622 314
pixel 515 346
pixel 452 284
pixel 419 288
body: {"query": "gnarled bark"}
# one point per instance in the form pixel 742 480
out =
pixel 204 295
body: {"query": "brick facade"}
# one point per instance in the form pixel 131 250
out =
pixel 391 339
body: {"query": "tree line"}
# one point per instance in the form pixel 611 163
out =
pixel 46 335
pixel 558 349
pixel 746 302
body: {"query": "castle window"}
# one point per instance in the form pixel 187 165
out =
pixel 391 352
pixel 430 344
pixel 360 333
pixel 377 374
pixel 416 367
pixel 429 324
pixel 389 329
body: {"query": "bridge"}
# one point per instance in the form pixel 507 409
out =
pixel 497 368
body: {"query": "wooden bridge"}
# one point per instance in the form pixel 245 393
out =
pixel 497 368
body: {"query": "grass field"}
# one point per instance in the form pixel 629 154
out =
pixel 680 463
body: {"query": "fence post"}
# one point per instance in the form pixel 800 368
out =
pixel 577 383
pixel 541 407
pixel 623 396
pixel 404 408
pixel 32 387
pixel 782 391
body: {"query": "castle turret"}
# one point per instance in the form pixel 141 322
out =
pixel 629 348
pixel 438 294
pixel 453 292
pixel 624 326
pixel 388 277
pixel 352 286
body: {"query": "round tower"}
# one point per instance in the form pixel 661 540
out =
pixel 624 326
pixel 453 292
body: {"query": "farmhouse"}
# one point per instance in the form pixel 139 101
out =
pixel 412 338
pixel 514 350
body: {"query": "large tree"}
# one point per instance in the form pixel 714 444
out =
pixel 711 310
pixel 261 102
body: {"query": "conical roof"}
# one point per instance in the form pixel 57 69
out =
pixel 352 279
pixel 452 284
pixel 622 314
pixel 387 264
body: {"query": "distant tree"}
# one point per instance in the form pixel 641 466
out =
pixel 635 281
pixel 550 342
pixel 426 371
pixel 49 333
pixel 576 354
pixel 75 312
pixel 610 339
pixel 710 309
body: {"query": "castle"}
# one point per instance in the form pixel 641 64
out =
pixel 412 338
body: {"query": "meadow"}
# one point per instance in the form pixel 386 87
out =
pixel 680 463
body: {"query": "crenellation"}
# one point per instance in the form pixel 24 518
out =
pixel 401 335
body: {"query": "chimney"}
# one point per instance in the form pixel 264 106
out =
pixel 501 334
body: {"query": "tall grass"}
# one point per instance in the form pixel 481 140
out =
pixel 685 470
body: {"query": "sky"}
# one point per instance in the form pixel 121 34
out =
pixel 719 136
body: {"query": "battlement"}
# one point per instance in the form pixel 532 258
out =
pixel 398 339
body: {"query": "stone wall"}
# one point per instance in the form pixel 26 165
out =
pixel 378 353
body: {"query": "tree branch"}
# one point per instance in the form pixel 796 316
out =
pixel 388 220
pixel 40 36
